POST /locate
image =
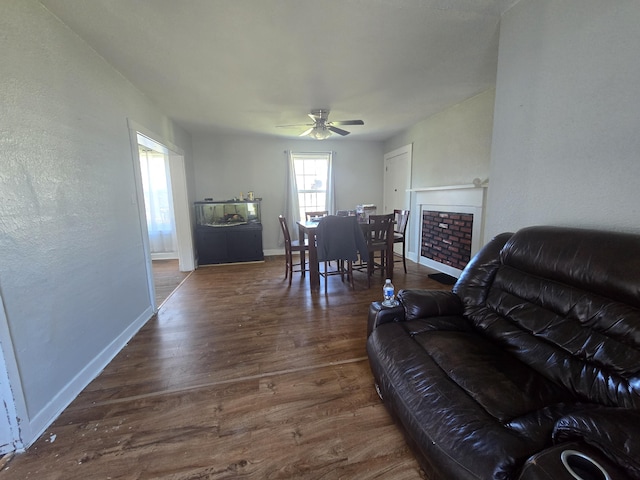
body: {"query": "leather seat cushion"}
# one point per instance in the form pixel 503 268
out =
pixel 456 394
pixel 499 383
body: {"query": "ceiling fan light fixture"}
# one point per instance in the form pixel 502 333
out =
pixel 322 128
pixel 320 132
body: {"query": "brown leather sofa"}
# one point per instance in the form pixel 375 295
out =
pixel 529 369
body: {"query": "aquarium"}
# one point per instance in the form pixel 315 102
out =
pixel 227 213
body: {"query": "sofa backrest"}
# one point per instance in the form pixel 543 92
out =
pixel 566 302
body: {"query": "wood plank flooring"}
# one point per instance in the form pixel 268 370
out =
pixel 238 376
pixel 166 278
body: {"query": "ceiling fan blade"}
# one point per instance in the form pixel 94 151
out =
pixel 296 125
pixel 348 122
pixel 337 130
pixel 306 132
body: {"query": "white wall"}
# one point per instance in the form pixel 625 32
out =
pixel 226 165
pixel 73 276
pixel 452 147
pixel 566 135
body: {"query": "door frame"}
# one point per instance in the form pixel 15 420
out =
pixel 181 207
pixel 406 150
pixel 14 409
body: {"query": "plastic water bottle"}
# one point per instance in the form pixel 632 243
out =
pixel 389 294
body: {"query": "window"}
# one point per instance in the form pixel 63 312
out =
pixel 312 176
pixel 156 185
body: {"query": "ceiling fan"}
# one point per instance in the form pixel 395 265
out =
pixel 321 127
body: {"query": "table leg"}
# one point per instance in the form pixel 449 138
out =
pixel 301 234
pixel 314 271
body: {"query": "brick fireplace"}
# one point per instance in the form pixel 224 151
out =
pixel 449 227
pixel 446 237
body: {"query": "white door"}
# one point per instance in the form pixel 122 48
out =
pixel 397 182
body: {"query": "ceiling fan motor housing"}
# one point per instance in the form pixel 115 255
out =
pixel 322 128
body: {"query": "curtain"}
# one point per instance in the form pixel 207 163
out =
pixel 156 185
pixel 331 196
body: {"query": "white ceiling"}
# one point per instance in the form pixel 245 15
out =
pixel 248 65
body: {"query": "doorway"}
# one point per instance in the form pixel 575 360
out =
pixel 397 182
pixel 165 216
pixel 158 201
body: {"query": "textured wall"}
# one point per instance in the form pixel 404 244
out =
pixel 452 147
pixel 73 273
pixel 565 143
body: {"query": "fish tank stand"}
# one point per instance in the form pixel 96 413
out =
pixel 228 232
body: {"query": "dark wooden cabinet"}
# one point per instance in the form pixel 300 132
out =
pixel 228 231
pixel 237 243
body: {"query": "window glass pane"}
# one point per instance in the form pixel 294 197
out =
pixel 312 174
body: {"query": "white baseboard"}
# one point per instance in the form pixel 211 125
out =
pixel 164 256
pixel 40 422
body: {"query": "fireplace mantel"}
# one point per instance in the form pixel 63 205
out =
pixel 449 187
pixel 472 194
pixel 467 198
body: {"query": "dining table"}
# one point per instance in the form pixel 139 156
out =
pixel 308 229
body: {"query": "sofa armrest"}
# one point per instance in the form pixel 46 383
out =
pixel 415 304
pixel 549 464
pixel 379 314
pixel 475 281
pixel 429 303
pixel 613 431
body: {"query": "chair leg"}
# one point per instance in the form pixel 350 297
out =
pixel 404 259
pixel 286 265
pixel 326 264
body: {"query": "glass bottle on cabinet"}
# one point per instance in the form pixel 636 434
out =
pixel 228 232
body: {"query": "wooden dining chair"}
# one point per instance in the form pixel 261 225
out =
pixel 401 218
pixel 339 239
pixel 291 246
pixel 320 213
pixel 379 229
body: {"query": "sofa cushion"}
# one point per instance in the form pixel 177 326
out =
pixel 565 321
pixel 498 382
pixel 456 393
pixel 446 426
pixel 596 261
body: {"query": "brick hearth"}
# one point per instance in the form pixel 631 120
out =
pixel 446 237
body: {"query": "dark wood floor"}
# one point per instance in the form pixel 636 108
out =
pixel 166 278
pixel 238 376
